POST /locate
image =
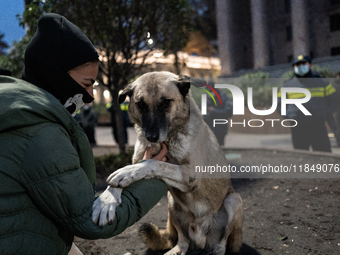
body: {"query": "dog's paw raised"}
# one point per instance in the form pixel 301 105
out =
pixel 104 207
pixel 125 176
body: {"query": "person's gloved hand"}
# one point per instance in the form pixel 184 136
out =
pixel 104 207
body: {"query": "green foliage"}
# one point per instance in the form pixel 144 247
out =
pixel 32 13
pixel 262 85
pixel 14 60
pixel 3 45
pixel 205 17
pixel 256 75
pixel 196 95
pixel 325 72
pixel 112 162
pixel 100 109
pixel 262 91
pixel 259 81
pixel 288 75
pixel 120 29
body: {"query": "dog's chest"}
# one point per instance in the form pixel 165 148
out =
pixel 178 152
pixel 188 202
pixel 175 160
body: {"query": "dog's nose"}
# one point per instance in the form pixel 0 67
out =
pixel 153 137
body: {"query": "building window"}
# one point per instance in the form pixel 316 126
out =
pixel 335 22
pixel 289 35
pixel 335 51
pixel 287 5
pixel 290 58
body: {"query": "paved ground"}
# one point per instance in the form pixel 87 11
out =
pixel 232 140
pixel 294 215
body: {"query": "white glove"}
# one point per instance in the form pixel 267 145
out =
pixel 104 207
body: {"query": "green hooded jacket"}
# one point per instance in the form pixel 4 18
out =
pixel 47 174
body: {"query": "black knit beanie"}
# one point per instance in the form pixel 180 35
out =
pixel 57 47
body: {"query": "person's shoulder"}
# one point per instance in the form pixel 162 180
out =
pixel 315 75
pixel 7 79
pixel 14 82
pixel 26 89
pixel 320 79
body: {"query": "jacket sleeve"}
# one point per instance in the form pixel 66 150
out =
pixel 61 190
pixel 332 98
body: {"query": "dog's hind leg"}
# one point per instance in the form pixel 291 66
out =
pixel 231 215
pixel 234 207
pixel 174 226
pixel 163 239
pixel 159 239
pixel 155 239
pixel 181 246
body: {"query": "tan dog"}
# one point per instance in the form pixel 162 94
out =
pixel 204 213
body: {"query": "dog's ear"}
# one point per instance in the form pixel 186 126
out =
pixel 128 91
pixel 184 83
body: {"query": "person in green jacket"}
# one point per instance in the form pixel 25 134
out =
pixel 47 170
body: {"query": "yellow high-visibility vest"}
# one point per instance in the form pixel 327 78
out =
pixel 123 107
pixel 314 92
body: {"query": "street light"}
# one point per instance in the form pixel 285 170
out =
pixel 150 41
pixel 106 94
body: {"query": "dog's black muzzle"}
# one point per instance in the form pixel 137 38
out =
pixel 152 136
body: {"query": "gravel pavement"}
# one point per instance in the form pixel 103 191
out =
pixel 295 215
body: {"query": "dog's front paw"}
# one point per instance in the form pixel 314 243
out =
pixel 125 176
pixel 104 207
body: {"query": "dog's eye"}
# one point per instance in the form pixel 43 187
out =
pixel 141 105
pixel 165 104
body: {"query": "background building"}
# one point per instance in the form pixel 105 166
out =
pixel 266 35
pixel 191 65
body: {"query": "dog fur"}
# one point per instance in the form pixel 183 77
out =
pixel 204 213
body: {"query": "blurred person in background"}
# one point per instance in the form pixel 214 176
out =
pixel 224 111
pixel 89 119
pixel 311 130
pixel 125 117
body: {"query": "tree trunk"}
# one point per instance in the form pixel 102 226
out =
pixel 177 64
pixel 119 122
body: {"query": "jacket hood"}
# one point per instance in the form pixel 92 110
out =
pixel 57 47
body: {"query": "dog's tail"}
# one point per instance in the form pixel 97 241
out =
pixel 155 239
